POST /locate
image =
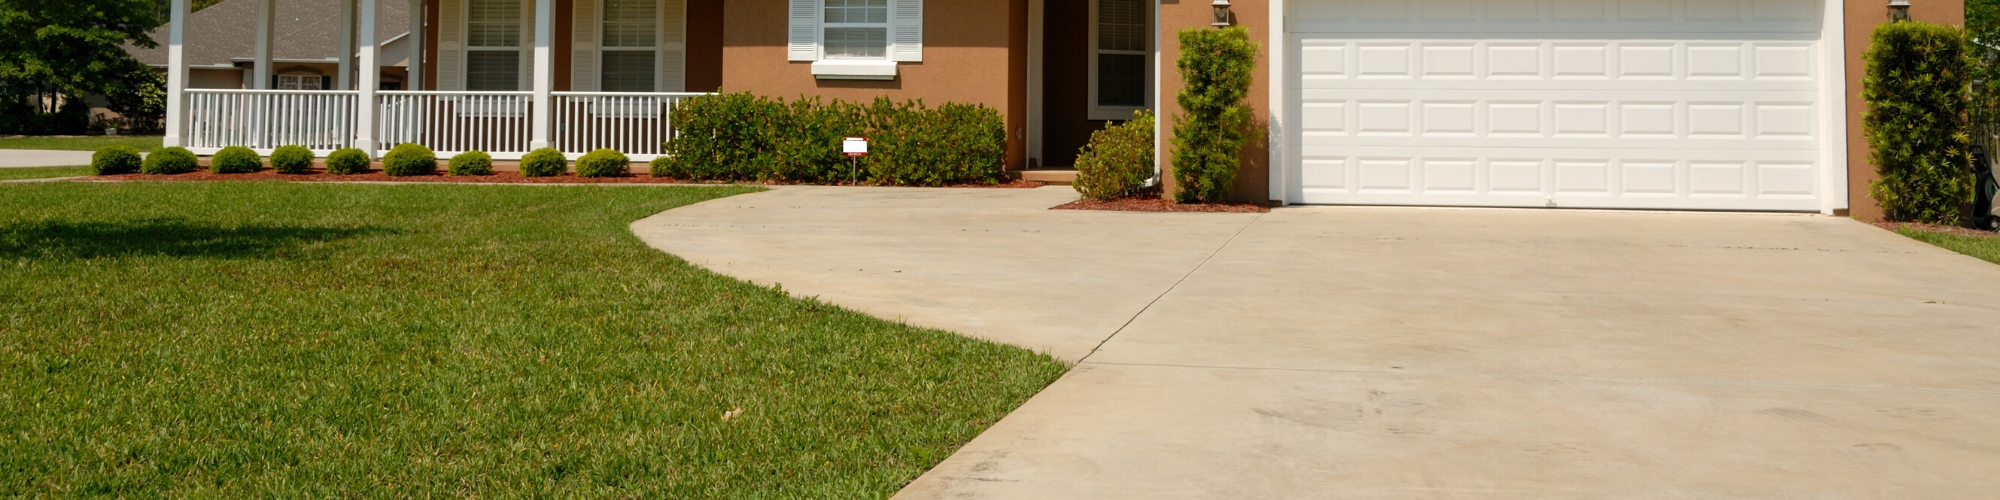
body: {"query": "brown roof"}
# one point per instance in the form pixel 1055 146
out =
pixel 307 30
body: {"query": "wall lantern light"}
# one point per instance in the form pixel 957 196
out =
pixel 1899 10
pixel 1222 12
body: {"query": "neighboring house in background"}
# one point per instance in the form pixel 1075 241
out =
pixel 221 45
pixel 1640 104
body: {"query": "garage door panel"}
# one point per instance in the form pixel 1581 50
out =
pixel 1583 60
pixel 1617 16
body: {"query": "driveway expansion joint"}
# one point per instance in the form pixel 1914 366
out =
pixel 1170 288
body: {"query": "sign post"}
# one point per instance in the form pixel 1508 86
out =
pixel 854 148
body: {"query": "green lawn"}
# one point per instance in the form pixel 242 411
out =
pixel 1987 248
pixel 256 340
pixel 8 174
pixel 86 143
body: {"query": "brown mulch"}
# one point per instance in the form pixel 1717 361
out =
pixel 1933 228
pixel 500 177
pixel 1149 204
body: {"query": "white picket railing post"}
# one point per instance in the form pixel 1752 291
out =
pixel 638 124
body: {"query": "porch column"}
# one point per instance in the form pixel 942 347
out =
pixel 544 75
pixel 177 73
pixel 370 79
pixel 415 78
pixel 267 15
pixel 346 78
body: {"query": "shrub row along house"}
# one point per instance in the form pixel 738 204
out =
pixel 1652 104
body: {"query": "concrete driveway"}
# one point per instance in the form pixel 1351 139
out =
pixel 1414 353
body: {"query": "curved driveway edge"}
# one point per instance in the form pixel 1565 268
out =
pixel 1411 353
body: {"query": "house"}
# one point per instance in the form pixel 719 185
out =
pixel 1630 104
pixel 306 41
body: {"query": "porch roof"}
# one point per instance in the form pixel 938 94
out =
pixel 306 30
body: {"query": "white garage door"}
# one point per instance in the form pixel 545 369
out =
pixel 1669 104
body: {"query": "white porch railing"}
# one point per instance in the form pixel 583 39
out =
pixel 449 123
pixel 637 124
pixel 262 120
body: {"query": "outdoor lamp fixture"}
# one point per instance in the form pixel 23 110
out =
pixel 1899 10
pixel 1222 13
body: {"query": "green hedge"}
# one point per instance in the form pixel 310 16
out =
pixel 170 161
pixel 348 161
pixel 603 163
pixel 471 163
pixel 1214 123
pixel 292 160
pixel 737 137
pixel 545 162
pixel 1916 88
pixel 235 160
pixel 114 160
pixel 409 159
pixel 1117 161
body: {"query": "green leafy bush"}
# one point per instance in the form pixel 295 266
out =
pixel 292 160
pixel 169 161
pixel 1214 123
pixel 1117 161
pixel 603 163
pixel 1915 86
pixel 348 161
pixel 114 160
pixel 235 160
pixel 545 162
pixel 748 137
pixel 408 159
pixel 471 163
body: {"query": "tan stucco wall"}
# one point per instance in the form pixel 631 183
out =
pixel 1862 18
pixel 967 59
pixel 215 78
pixel 1253 181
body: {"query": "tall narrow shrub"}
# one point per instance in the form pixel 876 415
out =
pixel 1214 122
pixel 1916 123
pixel 1117 161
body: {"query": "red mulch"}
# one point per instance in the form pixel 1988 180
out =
pixel 1933 228
pixel 501 177
pixel 1160 205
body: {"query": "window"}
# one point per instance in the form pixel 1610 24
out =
pixel 631 46
pixel 298 82
pixel 1120 61
pixel 855 29
pixel 493 45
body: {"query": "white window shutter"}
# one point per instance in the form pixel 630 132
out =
pixel 583 46
pixel 802 44
pixel 450 45
pixel 908 20
pixel 673 46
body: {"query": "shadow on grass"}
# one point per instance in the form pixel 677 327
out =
pixel 170 237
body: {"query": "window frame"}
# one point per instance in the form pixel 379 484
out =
pixel 1121 113
pixel 888 26
pixel 302 80
pixel 521 49
pixel 659 38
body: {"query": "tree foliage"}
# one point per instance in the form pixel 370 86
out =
pixel 1214 123
pixel 1916 88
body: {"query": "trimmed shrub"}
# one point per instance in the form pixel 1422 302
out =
pixel 470 163
pixel 953 144
pixel 409 159
pixel 748 137
pixel 235 160
pixel 114 160
pixel 292 160
pixel 1915 86
pixel 348 161
pixel 603 163
pixel 545 162
pixel 1214 123
pixel 169 161
pixel 1117 161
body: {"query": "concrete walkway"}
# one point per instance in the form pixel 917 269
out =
pixel 1412 353
pixel 14 158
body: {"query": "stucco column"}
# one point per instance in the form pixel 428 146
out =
pixel 177 74
pixel 543 112
pixel 267 15
pixel 346 79
pixel 370 79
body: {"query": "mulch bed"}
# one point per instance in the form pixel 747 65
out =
pixel 500 177
pixel 1933 228
pixel 1149 204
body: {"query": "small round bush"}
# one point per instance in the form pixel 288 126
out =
pixel 1118 160
pixel 169 161
pixel 114 160
pixel 545 162
pixel 292 160
pixel 409 159
pixel 603 163
pixel 235 160
pixel 348 161
pixel 471 163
